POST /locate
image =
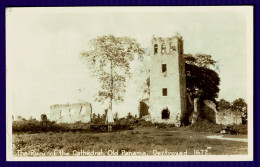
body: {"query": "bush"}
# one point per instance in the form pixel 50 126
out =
pixel 99 128
pixel 143 123
pixel 127 123
pixel 164 125
pixel 203 125
pixel 34 126
pixel 240 129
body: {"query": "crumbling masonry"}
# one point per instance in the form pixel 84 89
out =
pixel 70 113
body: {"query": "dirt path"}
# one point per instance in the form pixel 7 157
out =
pixel 226 138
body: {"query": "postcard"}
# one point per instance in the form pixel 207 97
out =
pixel 129 83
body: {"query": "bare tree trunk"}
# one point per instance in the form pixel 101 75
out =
pixel 109 112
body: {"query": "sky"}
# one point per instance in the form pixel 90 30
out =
pixel 43 46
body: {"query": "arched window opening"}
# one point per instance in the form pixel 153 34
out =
pixel 172 47
pixel 163 48
pixel 155 48
pixel 165 114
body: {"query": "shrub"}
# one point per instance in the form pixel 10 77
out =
pixel 164 125
pixel 240 129
pixel 143 123
pixel 34 126
pixel 204 125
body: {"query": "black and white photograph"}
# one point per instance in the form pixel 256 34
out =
pixel 129 83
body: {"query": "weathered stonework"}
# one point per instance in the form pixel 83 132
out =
pixel 225 117
pixel 70 113
pixel 195 112
pixel 167 75
pixel 228 117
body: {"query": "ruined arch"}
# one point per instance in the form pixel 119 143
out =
pixel 165 113
pixel 172 47
pixel 163 48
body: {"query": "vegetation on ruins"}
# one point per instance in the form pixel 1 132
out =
pixel 202 82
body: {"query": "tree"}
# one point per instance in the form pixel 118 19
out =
pixel 20 118
pixel 135 116
pixel 200 60
pixel 94 116
pixel 98 120
pixel 142 76
pixel 129 116
pixel 116 118
pixel 201 81
pixel 204 60
pixel 223 105
pixel 44 118
pixel 109 59
pixel 241 106
pixel 104 116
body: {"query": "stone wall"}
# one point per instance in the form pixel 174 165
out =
pixel 70 113
pixel 225 117
pixel 228 117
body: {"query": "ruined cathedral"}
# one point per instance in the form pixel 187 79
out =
pixel 167 87
pixel 167 80
pixel 167 91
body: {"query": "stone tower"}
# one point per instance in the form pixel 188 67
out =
pixel 167 80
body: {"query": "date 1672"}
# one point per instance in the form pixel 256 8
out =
pixel 201 152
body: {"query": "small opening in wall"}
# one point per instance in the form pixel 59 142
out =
pixel 155 48
pixel 165 114
pixel 164 91
pixel 164 68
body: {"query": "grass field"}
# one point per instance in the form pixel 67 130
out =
pixel 138 140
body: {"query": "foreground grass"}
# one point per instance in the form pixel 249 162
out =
pixel 139 140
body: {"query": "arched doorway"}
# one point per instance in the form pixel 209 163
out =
pixel 165 114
